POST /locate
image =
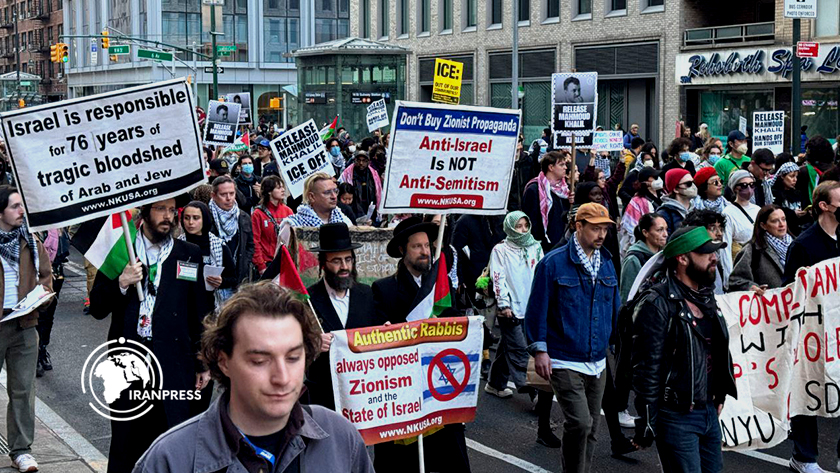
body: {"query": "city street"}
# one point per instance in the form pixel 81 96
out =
pixel 502 439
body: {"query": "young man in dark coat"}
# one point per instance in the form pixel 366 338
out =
pixel 232 225
pixel 168 322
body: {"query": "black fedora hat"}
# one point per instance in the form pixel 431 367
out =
pixel 334 237
pixel 405 229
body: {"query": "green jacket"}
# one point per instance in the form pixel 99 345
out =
pixel 630 268
pixel 727 164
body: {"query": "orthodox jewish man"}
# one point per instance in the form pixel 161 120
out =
pixel 340 302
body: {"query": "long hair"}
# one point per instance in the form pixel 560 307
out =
pixel 758 232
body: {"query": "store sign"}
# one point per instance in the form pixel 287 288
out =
pixel 755 65
pixel 369 97
pixel 800 8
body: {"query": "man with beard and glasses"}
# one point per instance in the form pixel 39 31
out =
pixel 340 303
pixel 682 367
pixel 168 321
pixel 394 297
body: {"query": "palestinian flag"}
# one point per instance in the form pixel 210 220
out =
pixel 243 143
pixel 438 298
pixel 328 131
pixel 102 242
pixel 288 276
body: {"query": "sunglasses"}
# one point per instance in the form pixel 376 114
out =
pixel 744 185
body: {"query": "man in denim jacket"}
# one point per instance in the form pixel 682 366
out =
pixel 571 312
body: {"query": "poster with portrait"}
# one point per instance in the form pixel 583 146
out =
pixel 574 99
pixel 243 99
pixel 222 120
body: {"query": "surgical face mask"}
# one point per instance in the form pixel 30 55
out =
pixel 685 156
pixel 714 158
pixel 543 149
pixel 742 148
pixel 690 192
pixel 648 163
pixel 657 184
pixel 248 168
pixel 335 151
pixel 351 148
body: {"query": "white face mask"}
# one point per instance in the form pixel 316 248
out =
pixel 742 148
pixel 351 148
pixel 648 163
pixel 657 184
pixel 691 192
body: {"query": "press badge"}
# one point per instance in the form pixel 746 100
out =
pixel 187 271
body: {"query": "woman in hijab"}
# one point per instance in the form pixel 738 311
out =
pixel 787 197
pixel 196 222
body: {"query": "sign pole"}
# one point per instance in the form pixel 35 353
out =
pixel 574 166
pixel 132 257
pixel 796 112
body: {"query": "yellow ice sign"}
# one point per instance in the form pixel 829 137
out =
pixel 448 76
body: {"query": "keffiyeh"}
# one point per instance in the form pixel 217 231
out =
pixel 780 245
pixel 10 245
pixel 227 221
pixel 306 217
pixel 150 289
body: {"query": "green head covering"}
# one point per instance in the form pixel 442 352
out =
pixel 688 239
pixel 522 240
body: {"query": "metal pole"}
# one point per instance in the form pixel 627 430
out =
pixel 796 99
pixel 17 51
pixel 195 72
pixel 514 87
pixel 214 54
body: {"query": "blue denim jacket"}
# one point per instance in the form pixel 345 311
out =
pixel 567 316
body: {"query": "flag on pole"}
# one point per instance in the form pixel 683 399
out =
pixel 328 131
pixel 438 297
pixel 288 276
pixel 102 242
pixel 242 143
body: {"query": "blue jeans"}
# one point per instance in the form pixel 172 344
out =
pixel 689 442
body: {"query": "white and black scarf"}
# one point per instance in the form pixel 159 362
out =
pixel 227 221
pixel 150 289
pixel 10 245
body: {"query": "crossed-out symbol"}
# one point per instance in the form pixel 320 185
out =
pixel 457 387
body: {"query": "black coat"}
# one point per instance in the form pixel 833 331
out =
pixel 809 248
pixel 361 314
pixel 556 225
pixel 480 234
pixel 244 247
pixel 394 296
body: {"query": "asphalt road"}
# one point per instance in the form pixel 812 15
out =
pixel 502 438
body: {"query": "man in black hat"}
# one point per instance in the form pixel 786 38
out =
pixel 340 303
pixel 394 297
pixel 218 167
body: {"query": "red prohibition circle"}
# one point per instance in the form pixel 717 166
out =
pixel 458 388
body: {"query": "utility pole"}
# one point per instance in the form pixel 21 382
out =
pixel 796 99
pixel 514 73
pixel 215 54
pixel 17 50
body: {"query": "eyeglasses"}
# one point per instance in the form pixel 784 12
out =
pixel 330 192
pixel 744 185
pixel 161 209
pixel 347 261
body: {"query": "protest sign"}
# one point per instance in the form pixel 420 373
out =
pixel 95 156
pixel 377 115
pixel 574 98
pixel 244 99
pixel 608 141
pixel 769 131
pixel 300 153
pixel 447 158
pixel 785 349
pixel 447 81
pixel 221 123
pixel 372 260
pixel 402 380
pixel 742 125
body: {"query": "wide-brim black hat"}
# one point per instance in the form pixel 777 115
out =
pixel 334 237
pixel 405 229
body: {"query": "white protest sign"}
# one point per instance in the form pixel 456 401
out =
pixel 377 115
pixel 574 99
pixel 221 123
pixel 399 381
pixel 742 125
pixel 95 156
pixel 785 349
pixel 300 153
pixel 244 99
pixel 769 131
pixel 608 141
pixel 450 158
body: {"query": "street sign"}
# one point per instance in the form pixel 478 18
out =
pixel 152 54
pixel 209 70
pixel 212 2
pixel 800 8
pixel 119 50
pixel 807 49
pixel 25 83
pixel 226 48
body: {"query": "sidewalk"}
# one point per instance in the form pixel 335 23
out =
pixel 53 454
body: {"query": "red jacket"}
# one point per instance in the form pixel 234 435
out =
pixel 265 234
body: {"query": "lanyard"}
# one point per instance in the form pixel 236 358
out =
pixel 259 451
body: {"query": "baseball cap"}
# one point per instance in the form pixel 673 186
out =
pixel 593 213
pixel 646 173
pixel 691 239
pixel 220 165
pixel 263 142
pixel 736 135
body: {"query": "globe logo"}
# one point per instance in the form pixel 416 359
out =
pixel 125 371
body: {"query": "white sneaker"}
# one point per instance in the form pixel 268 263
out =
pixel 502 393
pixel 25 463
pixel 800 467
pixel 626 420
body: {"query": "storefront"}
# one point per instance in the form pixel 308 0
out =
pixel 721 86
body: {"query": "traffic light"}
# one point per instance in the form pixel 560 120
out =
pixel 106 41
pixel 64 52
pixel 114 58
pixel 54 54
pixel 21 103
pixel 189 79
pixel 274 103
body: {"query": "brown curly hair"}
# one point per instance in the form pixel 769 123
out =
pixel 265 299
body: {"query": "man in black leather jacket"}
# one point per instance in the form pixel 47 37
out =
pixel 682 368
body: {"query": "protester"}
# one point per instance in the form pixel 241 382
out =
pixel 682 367
pixel 167 322
pixel 715 224
pixel 651 235
pixel 25 264
pixel 339 300
pixel 740 218
pixel 367 187
pixel 474 237
pixel 262 342
pixel 609 185
pixel 710 155
pixel 218 167
pixel 57 245
pixel 320 201
pixel 679 185
pixel 247 184
pixel 709 191
pixel 265 221
pixel 546 199
pixel 788 198
pixel 264 159
pixel 632 151
pixel 819 158
pixel 630 136
pixel 735 157
pixel 197 222
pixel 644 202
pixel 761 263
pixel 336 158
pixel 680 152
pixel 232 225
pixel 568 321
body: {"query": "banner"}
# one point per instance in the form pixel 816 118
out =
pixel 95 156
pixel 377 115
pixel 447 81
pixel 769 131
pixel 608 141
pixel 222 120
pixel 244 99
pixel 785 347
pixel 574 98
pixel 300 153
pixel 399 381
pixel 447 158
pixel 372 260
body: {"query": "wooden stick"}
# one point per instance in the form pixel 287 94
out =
pixel 132 257
pixel 439 241
pixel 574 166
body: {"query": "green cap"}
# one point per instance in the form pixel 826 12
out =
pixel 691 239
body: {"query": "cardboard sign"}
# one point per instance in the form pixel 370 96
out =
pixel 244 99
pixel 221 123
pixel 574 98
pixel 300 153
pixel 95 156
pixel 608 141
pixel 447 84
pixel 447 158
pixel 377 115
pixel 769 131
pixel 403 380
